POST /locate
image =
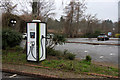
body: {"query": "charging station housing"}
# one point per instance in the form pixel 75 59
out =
pixel 36 41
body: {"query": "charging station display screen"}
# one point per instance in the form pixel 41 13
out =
pixel 32 34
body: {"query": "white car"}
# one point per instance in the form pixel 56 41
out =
pixel 50 36
pixel 24 36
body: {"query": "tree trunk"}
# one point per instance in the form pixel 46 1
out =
pixel 34 8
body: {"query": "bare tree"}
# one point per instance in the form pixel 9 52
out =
pixel 7 6
pixel 74 12
pixel 79 13
pixel 45 9
pixel 90 20
pixel 34 8
pixel 69 10
pixel 39 9
pixel 25 7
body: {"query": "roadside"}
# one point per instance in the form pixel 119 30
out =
pixel 14 60
pixel 13 75
pixel 106 64
pixel 58 68
pixel 34 71
pixel 94 38
pixel 92 43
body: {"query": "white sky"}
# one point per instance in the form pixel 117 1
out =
pixel 105 9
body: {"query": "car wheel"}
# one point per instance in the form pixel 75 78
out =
pixel 98 39
pixel 25 38
pixel 102 39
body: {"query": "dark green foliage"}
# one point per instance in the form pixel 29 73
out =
pixel 69 55
pixel 55 40
pixel 97 33
pixel 53 52
pixel 10 38
pixel 65 52
pixel 50 51
pixel 59 54
pixel 19 26
pixel 59 39
pixel 88 58
pixel 91 35
pixel 18 48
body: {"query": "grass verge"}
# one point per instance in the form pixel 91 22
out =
pixel 60 64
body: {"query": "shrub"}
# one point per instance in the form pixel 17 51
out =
pixel 88 58
pixel 117 35
pixel 10 38
pixel 69 56
pixel 18 48
pixel 91 35
pixel 59 54
pixel 53 52
pixel 50 51
pixel 65 52
pixel 57 39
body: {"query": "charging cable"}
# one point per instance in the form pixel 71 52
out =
pixel 42 46
pixel 31 49
pixel 32 46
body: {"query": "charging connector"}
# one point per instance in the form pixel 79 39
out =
pixel 42 46
pixel 32 44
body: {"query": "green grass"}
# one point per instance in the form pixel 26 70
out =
pixel 14 57
pixel 62 64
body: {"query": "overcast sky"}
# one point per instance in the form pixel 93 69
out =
pixel 105 9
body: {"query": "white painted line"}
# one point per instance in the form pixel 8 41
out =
pixel 101 57
pixel 13 76
pixel 112 54
pixel 86 51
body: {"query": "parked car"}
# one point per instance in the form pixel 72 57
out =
pixel 24 35
pixel 102 37
pixel 50 36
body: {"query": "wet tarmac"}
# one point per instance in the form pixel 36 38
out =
pixel 94 40
pixel 99 53
pixel 11 76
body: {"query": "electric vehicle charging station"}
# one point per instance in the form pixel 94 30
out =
pixel 36 41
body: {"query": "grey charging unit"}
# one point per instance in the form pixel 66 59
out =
pixel 36 41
